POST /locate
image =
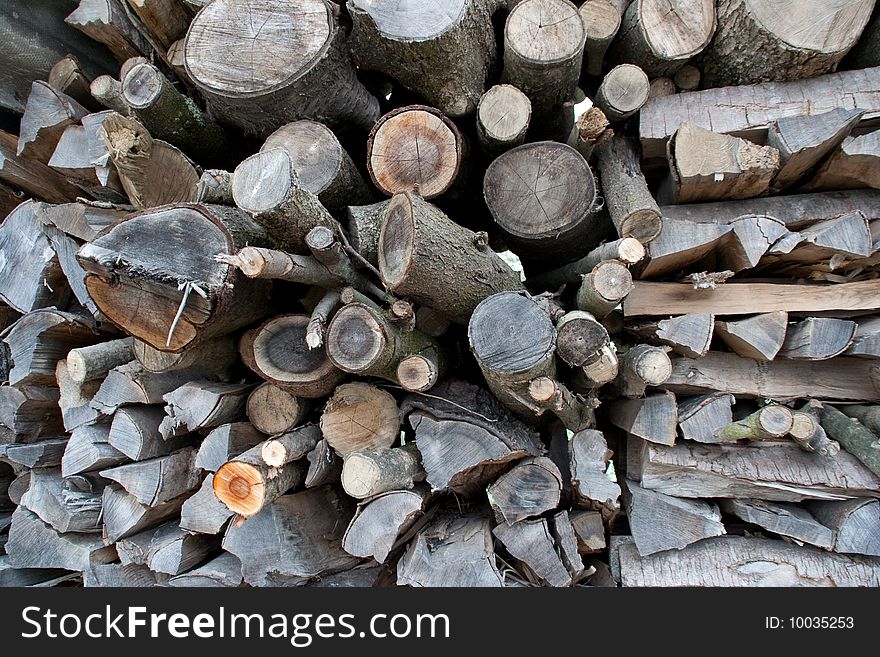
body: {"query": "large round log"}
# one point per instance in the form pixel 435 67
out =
pixel 171 292
pixel 261 65
pixel 543 196
pixel 420 246
pixel 443 50
pixel 796 39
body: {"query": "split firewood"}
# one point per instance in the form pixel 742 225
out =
pixel 633 210
pixel 165 20
pixel 82 220
pixel 74 157
pixel 769 422
pixel 782 518
pixel 817 338
pixel 203 512
pixel 804 141
pixel 367 474
pixel 297 538
pixel 47 115
pixel 853 165
pixel 61 506
pixel 291 446
pixel 708 166
pixel 866 341
pixel 846 237
pixel 30 413
pixel 247 484
pixel 532 487
pixel 788 52
pixel 601 22
pixel 589 531
pixel 325 466
pixel 855 523
pixel 215 187
pixel 689 335
pixel 701 418
pixel 543 196
pixel 166 549
pixel 653 417
pixel 224 570
pixel 273 410
pixel 443 52
pixel 175 57
pixel 89 449
pixel 503 116
pixel 44 454
pixel 533 543
pixel 106 22
pixel 768 470
pixel 124 516
pixel 623 92
pixel 378 522
pixel 739 561
pixel 159 480
pixel 68 77
pixel 213 357
pixel 750 238
pixel 32 176
pixel 759 337
pixel 360 417
pixel 136 432
pixel 852 436
pixel 662 36
pixel 363 225
pixel 661 522
pixel 225 443
pixel 748 111
pixel 202 405
pixel 543 51
pixel 588 461
pixel 132 384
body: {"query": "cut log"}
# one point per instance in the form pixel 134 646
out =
pixel 82 220
pixel 215 186
pixel 601 22
pixel 662 36
pixel 443 51
pixel 451 551
pixel 759 337
pixel 661 87
pixel 817 338
pixel 604 369
pixel 290 446
pixel 593 488
pixel 135 432
pixel 165 20
pixel 417 245
pixel 171 116
pixel 660 522
pixel 156 481
pixel 202 405
pixel 869 416
pixel 61 508
pixel 48 113
pixel 804 141
pixel 367 474
pixel 744 298
pixel 748 111
pixel 834 241
pixel 94 362
pixel 852 436
pixel 225 443
pixel 378 522
pixel 687 78
pixel 579 338
pixel 30 413
pixel 623 92
pixel 767 423
pixel 143 288
pixel 808 433
pixel 532 543
pixel 853 165
pixel 75 159
pixel 503 118
pixel 782 518
pixel 532 487
pixel 640 367
pixel 591 129
pixel 738 561
pixel 203 512
pixel 543 51
pixel 297 538
pixel 774 471
pixel 325 467
pixel 855 523
pixel 223 571
pixel 360 417
pixel 627 250
pixel 247 484
pixel 750 238
pixel 107 90
pixel 633 210
pixel 653 418
pixel 313 80
pixel 34 544
pixel 789 52
pixel 575 411
pixel 166 549
pixel 273 410
pixel 543 196
pixel 210 357
pixel 604 288
pixel 107 22
pixel 688 335
pixel 124 516
pixel 701 418
pixel 89 449
pixel 514 342
pixel 709 166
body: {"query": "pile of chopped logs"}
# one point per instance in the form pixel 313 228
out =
pixel 464 292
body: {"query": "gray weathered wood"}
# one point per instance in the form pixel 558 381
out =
pixel 588 461
pixel 817 338
pixel 202 405
pixel 221 571
pixel 226 442
pixel 653 417
pixel 62 507
pixel 689 335
pixel 530 488
pixel 784 519
pixel 378 522
pixel 852 436
pixel 855 523
pixel 366 474
pixel 360 417
pixel 202 512
pixel 124 516
pixel 136 432
pixel 89 449
pixel 166 549
pixel 531 542
pixel 700 418
pixel 623 92
pixel 633 209
pixel 155 481
pixel 503 116
pixel 760 337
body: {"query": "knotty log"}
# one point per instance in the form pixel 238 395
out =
pixel 689 335
pixel 768 470
pixel 852 436
pixel 503 117
pixel 225 443
pixel 543 52
pixel 156 481
pixel 443 51
pixel 543 196
pixel 653 417
pixel 136 432
pixel 788 51
pixel 817 338
pixel 855 523
pixel 360 417
pixel 701 418
pixel 366 474
pixel 591 129
pixel 298 537
pixel 575 411
pixel 247 484
pixel 767 423
pixel 852 165
pixel 633 210
pixel 588 460
pixel 107 22
pixel 203 512
pixel 708 166
pixel 269 83
pixel 124 516
pixel 166 549
pixel 201 405
pixel 738 561
pixel 601 22
pixel 662 36
pixel 759 337
pixel 274 410
pixel 416 246
pixel 532 487
pixel 661 522
pixel 623 92
pixel 378 522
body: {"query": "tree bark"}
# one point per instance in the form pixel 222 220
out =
pixel 633 210
pixel 291 446
pixel 247 484
pixel 601 23
pixel 503 117
pixel 623 92
pixel 367 474
pixel 852 436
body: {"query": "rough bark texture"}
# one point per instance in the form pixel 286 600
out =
pixel 633 210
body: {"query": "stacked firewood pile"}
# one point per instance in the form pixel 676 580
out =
pixel 465 292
